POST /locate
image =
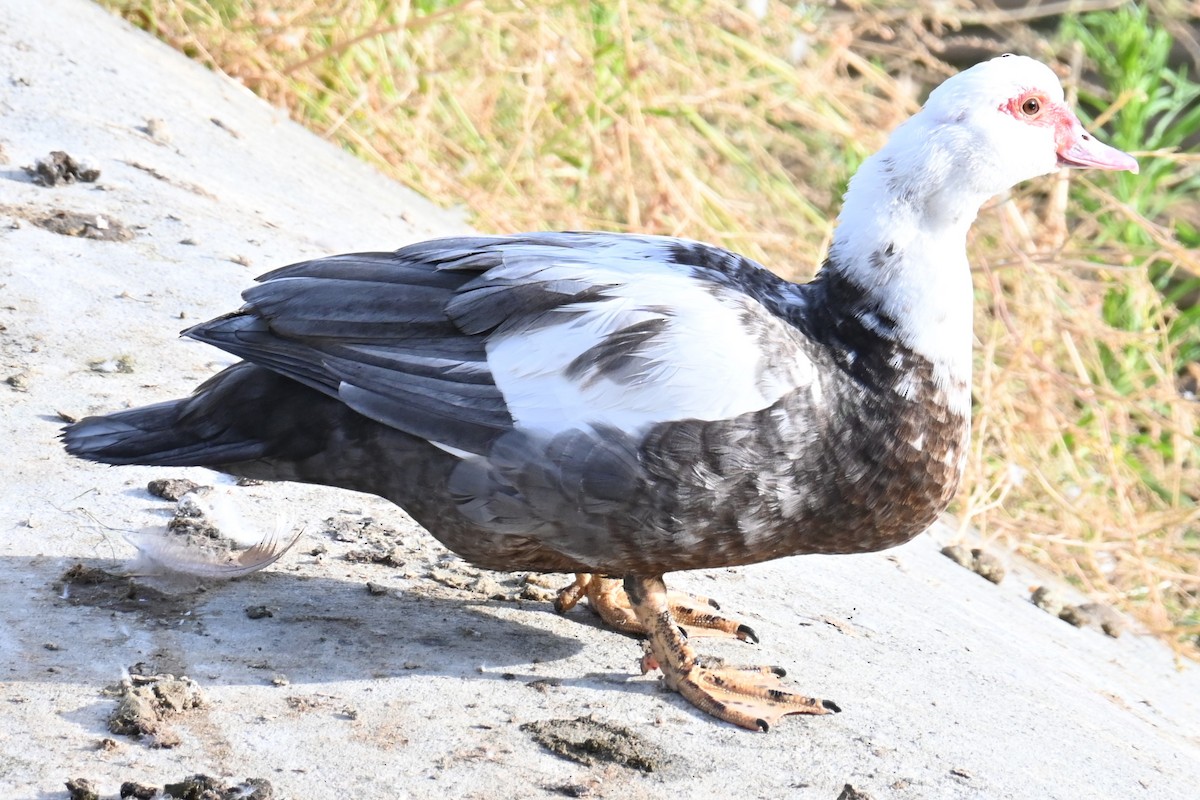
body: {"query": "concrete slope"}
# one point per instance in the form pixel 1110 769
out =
pixel 419 686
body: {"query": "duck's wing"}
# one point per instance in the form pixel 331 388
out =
pixel 461 340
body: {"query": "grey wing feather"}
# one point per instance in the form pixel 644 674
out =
pixel 400 337
pixel 371 329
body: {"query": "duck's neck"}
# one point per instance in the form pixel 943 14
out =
pixel 900 246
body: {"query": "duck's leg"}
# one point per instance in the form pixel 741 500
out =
pixel 607 597
pixel 751 697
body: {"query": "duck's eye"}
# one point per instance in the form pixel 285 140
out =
pixel 1031 107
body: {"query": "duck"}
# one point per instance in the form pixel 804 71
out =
pixel 623 406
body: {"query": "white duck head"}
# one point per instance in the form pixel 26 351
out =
pixel 981 132
pixel 902 232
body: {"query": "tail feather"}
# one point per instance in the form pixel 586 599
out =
pixel 230 419
pixel 152 436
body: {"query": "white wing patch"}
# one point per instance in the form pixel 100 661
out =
pixel 704 359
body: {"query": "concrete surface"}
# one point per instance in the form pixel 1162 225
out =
pixel 951 687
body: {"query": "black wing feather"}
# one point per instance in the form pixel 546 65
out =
pixel 371 330
pixel 401 337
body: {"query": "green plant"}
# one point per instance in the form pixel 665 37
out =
pixel 1151 107
pixel 1159 112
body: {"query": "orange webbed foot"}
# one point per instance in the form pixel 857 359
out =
pixel 607 597
pixel 749 697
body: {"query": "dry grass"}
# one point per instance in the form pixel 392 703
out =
pixel 708 120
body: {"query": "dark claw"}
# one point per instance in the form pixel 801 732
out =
pixel 762 725
pixel 832 706
pixel 747 634
pixel 780 672
pixel 714 604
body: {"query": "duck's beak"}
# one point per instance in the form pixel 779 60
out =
pixel 1078 148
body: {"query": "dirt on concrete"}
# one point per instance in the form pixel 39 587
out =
pixel 590 741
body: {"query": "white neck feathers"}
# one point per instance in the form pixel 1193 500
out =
pixel 901 237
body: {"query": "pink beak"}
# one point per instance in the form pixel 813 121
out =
pixel 1078 148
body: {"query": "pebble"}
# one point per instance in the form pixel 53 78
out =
pixel 18 381
pixel 1048 600
pixel 81 789
pixel 978 561
pixel 987 565
pixel 1076 615
pixel 958 554
pixel 171 489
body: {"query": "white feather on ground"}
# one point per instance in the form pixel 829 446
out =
pixel 162 556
